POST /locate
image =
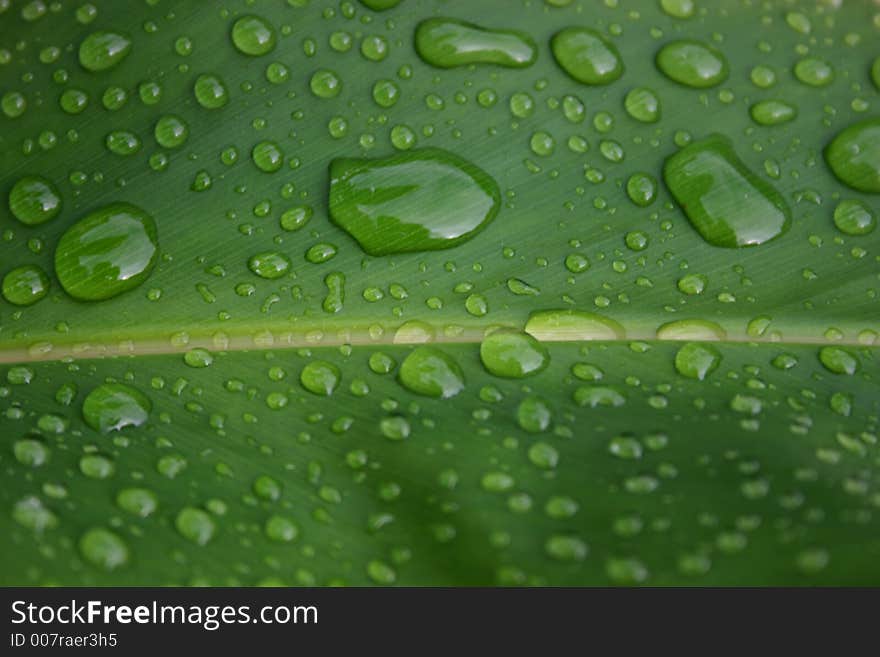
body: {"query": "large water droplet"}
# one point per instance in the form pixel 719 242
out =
pixel 103 50
pixel 430 372
pixel 513 354
pixel 115 406
pixel 447 42
pixel 854 156
pixel 414 201
pixel 727 203
pixel 586 55
pixel 692 63
pixel 108 252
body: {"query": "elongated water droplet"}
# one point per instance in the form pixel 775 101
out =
pixel 103 50
pixel 571 325
pixel 115 406
pixel 447 42
pixel 111 250
pixel 586 56
pixel 413 201
pixel 854 156
pixel 727 203
pixel 512 354
pixel 430 372
pixel 772 112
pixel 692 63
pixel 380 5
pixel 691 329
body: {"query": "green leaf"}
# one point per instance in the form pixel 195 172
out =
pixel 639 240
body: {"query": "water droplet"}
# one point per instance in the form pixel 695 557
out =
pixel 96 466
pixel 25 285
pixel 772 112
pixel 727 203
pixel 572 325
pixel 692 283
pixel 414 201
pixel 643 105
pixel 30 452
pixel 268 157
pixel 641 189
pixel 446 43
pixel 380 5
pixel 586 56
pixel 395 428
pixel 853 217
pixel 30 512
pixel 386 93
pixel 198 358
pixel 566 548
pixel 534 415
pixel 171 131
pixel 692 63
pixel 34 200
pixel 430 372
pixel 210 91
pixel 281 529
pixel 123 142
pixel 625 447
pixel 13 104
pixel 115 406
pixel 269 265
pixel 320 377
pixel 691 329
pixel 678 8
pixel 325 84
pixel 512 354
pixel 814 72
pixel 195 525
pixel 253 36
pixel 839 360
pixel 73 101
pixel 295 218
pixel 378 571
pixel 103 548
pixel 854 156
pixel 696 360
pixel 140 502
pixel 101 50
pixel 108 252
